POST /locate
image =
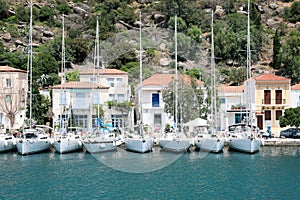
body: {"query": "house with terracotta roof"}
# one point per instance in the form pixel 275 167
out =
pixel 119 91
pixel 151 100
pixel 78 101
pixel 269 96
pixel 265 97
pixel 295 96
pixel 13 94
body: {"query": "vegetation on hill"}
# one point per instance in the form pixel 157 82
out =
pixel 275 37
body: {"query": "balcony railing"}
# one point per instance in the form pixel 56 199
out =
pixel 273 101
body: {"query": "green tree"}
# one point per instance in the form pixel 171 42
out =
pixel 195 33
pixel 73 75
pixel 276 50
pixel 290 57
pixel 291 117
pixel 3 9
pixel 292 14
pixel 190 100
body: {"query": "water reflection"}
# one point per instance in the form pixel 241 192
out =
pixel 126 161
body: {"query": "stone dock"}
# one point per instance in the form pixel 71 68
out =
pixel 281 142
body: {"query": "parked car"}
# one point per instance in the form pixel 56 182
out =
pixel 290 133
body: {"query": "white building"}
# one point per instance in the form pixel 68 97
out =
pixel 13 94
pixel 295 96
pixel 152 103
pixel 119 91
pixel 98 91
pixel 232 105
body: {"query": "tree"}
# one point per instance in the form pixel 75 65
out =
pixel 290 57
pixel 276 50
pixel 190 100
pixel 291 117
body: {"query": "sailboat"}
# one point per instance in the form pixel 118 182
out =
pixel 244 136
pixel 101 139
pixel 7 142
pixel 175 142
pixel 212 142
pixel 69 140
pixel 33 140
pixel 139 143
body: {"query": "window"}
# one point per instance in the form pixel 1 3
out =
pixel 119 81
pixel 111 82
pixel 278 114
pixel 81 120
pixel 80 100
pixel 155 100
pixel 8 98
pixel 8 83
pixel 267 97
pixel 157 118
pixel 267 114
pixel 111 97
pixel 223 100
pixel 121 97
pixel 63 98
pixel 96 98
pixel 278 96
pixel 93 79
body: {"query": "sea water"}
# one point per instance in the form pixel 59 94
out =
pixel 272 173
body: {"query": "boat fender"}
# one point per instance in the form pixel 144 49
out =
pixel 20 140
pixel 5 143
pixel 80 143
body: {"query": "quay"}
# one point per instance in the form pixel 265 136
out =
pixel 281 142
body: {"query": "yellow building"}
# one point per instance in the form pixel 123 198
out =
pixel 272 97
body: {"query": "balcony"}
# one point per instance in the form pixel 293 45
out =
pixel 273 102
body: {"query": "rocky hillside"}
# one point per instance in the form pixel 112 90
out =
pixel 14 32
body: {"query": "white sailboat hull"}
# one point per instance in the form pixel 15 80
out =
pixel 7 143
pixel 139 145
pixel 247 145
pixel 67 145
pixel 30 146
pixel 212 144
pixel 175 145
pixel 97 146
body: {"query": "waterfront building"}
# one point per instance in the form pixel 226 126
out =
pixel 295 96
pixel 232 107
pixel 267 95
pixel 271 98
pixel 154 116
pixel 76 104
pixel 99 92
pixel 117 106
pixel 13 94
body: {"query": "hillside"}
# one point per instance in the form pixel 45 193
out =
pixel 119 17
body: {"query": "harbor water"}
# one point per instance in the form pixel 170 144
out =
pixel 272 173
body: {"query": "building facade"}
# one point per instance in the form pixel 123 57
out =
pixel 149 98
pixel 103 93
pixel 13 94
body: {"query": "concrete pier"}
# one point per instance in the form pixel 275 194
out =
pixel 281 142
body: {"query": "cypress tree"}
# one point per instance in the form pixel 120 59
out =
pixel 276 50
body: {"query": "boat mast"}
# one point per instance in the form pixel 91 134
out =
pixel 141 79
pixel 249 65
pixel 213 79
pixel 97 66
pixel 30 67
pixel 63 77
pixel 176 78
